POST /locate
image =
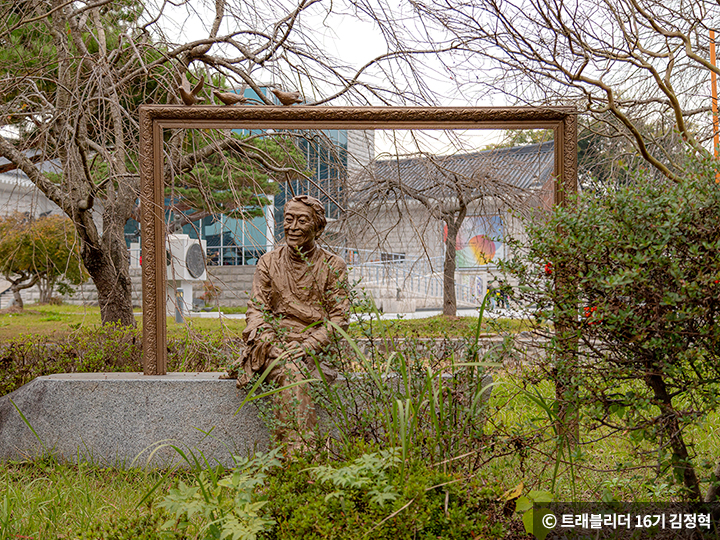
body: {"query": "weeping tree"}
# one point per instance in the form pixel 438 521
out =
pixel 414 197
pixel 72 76
pixel 638 70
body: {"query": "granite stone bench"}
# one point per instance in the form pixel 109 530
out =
pixel 130 419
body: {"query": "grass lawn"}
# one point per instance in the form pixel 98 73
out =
pixel 45 499
pixel 439 326
pixel 47 320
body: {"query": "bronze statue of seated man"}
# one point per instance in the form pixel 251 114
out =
pixel 297 289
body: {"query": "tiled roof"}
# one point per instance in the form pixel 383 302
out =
pixel 525 167
pixel 15 178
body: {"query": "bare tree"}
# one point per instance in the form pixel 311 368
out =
pixel 72 75
pixel 425 191
pixel 638 68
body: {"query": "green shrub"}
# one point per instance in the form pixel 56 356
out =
pixel 642 297
pixel 140 527
pixel 365 497
pixel 304 502
pixel 103 348
pixel 106 348
pixel 227 507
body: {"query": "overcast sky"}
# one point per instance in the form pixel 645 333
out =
pixel 355 42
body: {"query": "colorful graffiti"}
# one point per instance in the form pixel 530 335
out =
pixel 479 241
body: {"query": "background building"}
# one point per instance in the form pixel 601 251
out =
pixel 400 247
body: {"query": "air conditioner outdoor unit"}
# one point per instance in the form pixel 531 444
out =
pixel 186 258
pixel 186 265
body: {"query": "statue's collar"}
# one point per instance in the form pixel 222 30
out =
pixel 297 256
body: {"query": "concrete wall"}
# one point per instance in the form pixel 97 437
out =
pixel 361 150
pixel 405 227
pixel 234 282
pixel 18 194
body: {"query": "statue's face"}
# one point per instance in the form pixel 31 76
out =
pixel 300 229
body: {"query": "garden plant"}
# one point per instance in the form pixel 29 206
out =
pixel 643 305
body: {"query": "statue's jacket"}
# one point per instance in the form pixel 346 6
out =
pixel 293 297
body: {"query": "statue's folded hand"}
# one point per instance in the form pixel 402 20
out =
pixel 295 351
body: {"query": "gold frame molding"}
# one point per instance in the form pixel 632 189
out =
pixel 155 118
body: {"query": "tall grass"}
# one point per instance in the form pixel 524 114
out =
pixel 429 403
pixel 46 499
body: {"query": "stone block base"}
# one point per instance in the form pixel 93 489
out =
pixel 124 419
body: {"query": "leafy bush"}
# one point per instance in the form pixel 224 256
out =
pixel 641 294
pixel 41 251
pixel 429 503
pixel 366 497
pixel 142 527
pixel 105 348
pixel 223 507
pixel 368 473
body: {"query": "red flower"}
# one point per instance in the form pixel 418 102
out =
pixel 590 312
pixel 548 269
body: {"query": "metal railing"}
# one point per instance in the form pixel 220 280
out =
pixel 419 278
